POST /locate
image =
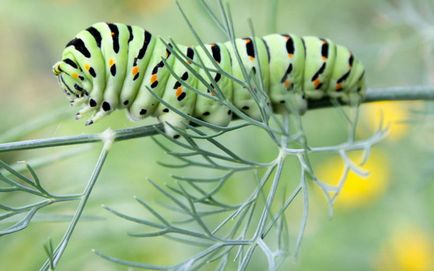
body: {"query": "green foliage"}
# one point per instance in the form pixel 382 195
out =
pixel 225 207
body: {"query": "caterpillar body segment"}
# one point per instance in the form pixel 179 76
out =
pixel 286 68
pixel 251 59
pixel 179 97
pixel 209 110
pixel 318 66
pixel 137 67
pixel 155 75
pixel 111 66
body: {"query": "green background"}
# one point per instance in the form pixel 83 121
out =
pixel 33 34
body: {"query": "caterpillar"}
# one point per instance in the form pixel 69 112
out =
pixel 111 66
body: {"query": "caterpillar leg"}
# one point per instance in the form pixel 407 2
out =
pixel 86 109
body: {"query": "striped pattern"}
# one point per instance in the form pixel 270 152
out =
pixel 111 66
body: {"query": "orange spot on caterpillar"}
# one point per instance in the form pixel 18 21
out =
pixel 316 83
pixel 86 67
pixel 178 91
pixel 290 55
pixel 247 41
pixel 74 75
pixel 154 78
pixel 134 70
pixel 338 87
pixel 111 61
pixel 211 92
pixel 113 33
pixel 324 58
pixel 287 84
pixel 251 58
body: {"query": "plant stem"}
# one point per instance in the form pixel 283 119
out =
pixel 82 204
pixel 119 135
pixel 401 93
pixel 407 93
pixel 372 95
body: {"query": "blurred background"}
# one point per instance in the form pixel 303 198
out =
pixel 383 222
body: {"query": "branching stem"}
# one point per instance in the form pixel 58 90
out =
pixel 372 95
pixel 58 252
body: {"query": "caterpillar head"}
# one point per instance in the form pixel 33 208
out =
pixel 72 81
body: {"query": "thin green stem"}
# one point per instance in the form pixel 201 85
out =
pixel 398 93
pixel 272 23
pixel 372 95
pixel 82 204
pixel 119 135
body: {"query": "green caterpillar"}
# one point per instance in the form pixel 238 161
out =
pixel 109 66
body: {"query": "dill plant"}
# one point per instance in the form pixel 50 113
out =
pixel 226 233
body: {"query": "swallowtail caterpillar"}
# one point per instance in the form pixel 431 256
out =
pixel 111 66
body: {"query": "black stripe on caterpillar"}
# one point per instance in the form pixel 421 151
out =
pixel 111 66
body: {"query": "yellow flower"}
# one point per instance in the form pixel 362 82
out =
pixel 393 114
pixel 357 190
pixel 408 250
